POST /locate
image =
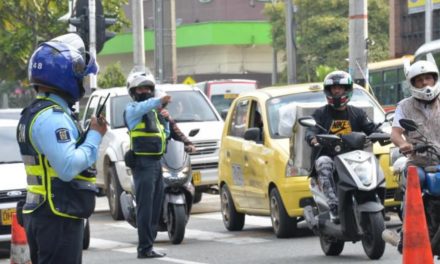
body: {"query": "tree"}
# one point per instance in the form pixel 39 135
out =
pixel 26 23
pixel 112 76
pixel 322 34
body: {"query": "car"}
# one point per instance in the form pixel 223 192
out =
pixel 263 172
pixel 222 92
pixel 13 181
pixel 190 108
pixel 10 113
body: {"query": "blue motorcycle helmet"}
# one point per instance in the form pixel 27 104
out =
pixel 62 64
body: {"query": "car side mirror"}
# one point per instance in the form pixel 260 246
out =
pixel 253 133
pixel 408 124
pixel 389 116
pixel 307 121
pixel 193 132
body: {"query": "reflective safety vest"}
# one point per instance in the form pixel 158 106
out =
pixel 74 199
pixel 148 137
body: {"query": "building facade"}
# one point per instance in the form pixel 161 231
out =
pixel 215 39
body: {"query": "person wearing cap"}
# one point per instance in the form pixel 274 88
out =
pixel 148 132
pixel 336 117
pixel 57 154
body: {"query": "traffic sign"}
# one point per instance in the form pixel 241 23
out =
pixel 189 80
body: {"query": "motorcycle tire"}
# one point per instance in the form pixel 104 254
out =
pixel 176 223
pixel 373 224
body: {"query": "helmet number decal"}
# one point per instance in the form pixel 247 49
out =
pixel 37 65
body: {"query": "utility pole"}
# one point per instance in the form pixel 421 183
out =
pixel 428 20
pixel 92 39
pixel 290 43
pixel 165 57
pixel 137 9
pixel 358 41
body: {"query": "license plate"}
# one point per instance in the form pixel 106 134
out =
pixel 197 177
pixel 230 96
pixel 7 216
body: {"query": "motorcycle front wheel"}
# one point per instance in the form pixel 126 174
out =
pixel 176 223
pixel 373 225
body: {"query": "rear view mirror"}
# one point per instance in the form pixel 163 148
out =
pixel 408 124
pixel 389 116
pixel 307 121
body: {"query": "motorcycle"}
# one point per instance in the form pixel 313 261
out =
pixel 430 184
pixel 178 194
pixel 360 188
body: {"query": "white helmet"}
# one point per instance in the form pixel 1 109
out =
pixel 427 93
pixel 140 79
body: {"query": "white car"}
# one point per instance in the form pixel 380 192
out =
pixel 198 113
pixel 13 176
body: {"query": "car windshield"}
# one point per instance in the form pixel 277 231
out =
pixel 222 101
pixel 10 151
pixel 190 106
pixel 185 106
pixel 359 98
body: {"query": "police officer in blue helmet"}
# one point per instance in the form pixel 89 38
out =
pixel 57 154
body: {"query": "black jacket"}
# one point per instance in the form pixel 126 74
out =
pixel 325 116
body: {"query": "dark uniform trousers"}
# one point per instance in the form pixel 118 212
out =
pixel 53 239
pixel 149 194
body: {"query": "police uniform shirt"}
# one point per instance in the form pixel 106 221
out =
pixel 55 134
pixel 136 110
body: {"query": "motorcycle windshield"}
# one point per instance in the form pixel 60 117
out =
pixel 175 158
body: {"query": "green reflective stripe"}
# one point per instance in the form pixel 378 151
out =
pixel 85 178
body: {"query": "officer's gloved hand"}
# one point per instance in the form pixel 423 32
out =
pixel 98 124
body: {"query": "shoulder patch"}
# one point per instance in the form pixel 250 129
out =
pixel 62 135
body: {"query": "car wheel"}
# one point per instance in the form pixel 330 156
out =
pixel 86 238
pixel 197 197
pixel 114 191
pixel 283 225
pixel 233 220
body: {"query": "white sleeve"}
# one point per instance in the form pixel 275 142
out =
pixel 398 114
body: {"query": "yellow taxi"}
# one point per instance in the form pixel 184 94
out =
pixel 264 172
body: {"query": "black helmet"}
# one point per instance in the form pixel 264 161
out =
pixel 340 78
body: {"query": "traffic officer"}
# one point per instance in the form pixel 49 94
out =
pixel 56 153
pixel 148 133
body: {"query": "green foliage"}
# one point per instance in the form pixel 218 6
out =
pixel 322 34
pixel 112 76
pixel 26 23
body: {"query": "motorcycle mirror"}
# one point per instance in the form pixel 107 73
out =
pixel 408 124
pixel 307 121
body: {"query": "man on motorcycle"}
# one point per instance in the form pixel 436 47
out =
pixel 423 106
pixel 337 117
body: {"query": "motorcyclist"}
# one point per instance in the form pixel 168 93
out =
pixel 337 117
pixel 423 106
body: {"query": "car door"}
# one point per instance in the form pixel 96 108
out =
pixel 256 160
pixel 232 153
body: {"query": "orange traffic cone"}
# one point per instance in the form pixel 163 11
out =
pixel 416 244
pixel 19 246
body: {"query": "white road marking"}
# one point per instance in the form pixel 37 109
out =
pixel 249 219
pixel 179 261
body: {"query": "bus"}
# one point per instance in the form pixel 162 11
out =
pixel 387 79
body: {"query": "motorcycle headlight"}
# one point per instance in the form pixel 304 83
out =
pixel 363 170
pixel 175 178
